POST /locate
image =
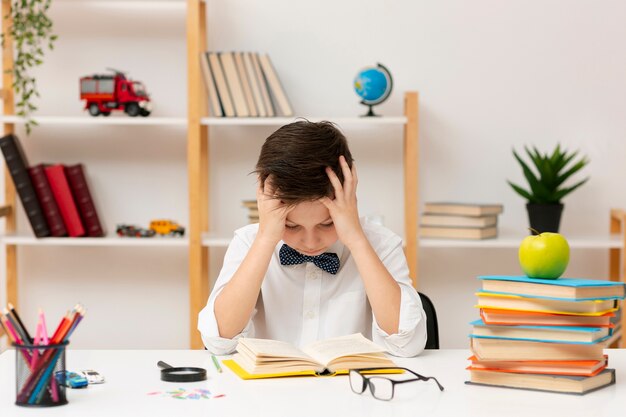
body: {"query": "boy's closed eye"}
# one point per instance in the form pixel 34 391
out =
pixel 293 226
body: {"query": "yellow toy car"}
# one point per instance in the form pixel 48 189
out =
pixel 167 227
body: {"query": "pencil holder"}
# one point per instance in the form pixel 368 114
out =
pixel 40 375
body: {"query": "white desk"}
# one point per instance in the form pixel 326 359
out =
pixel 131 375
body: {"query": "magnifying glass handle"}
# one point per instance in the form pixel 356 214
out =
pixel 163 365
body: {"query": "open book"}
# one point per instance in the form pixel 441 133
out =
pixel 262 358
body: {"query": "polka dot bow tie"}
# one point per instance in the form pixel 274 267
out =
pixel 328 262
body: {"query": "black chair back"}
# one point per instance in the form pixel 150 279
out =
pixel 432 327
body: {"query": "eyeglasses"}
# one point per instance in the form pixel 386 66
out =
pixel 382 388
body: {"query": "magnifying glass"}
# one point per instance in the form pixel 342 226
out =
pixel 181 374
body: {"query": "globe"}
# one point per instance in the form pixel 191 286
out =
pixel 373 85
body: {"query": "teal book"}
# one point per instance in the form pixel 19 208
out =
pixel 558 289
pixel 545 334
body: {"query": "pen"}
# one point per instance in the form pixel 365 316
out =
pixel 216 363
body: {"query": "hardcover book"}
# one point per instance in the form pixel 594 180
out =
pixel 548 334
pixel 531 318
pixel 448 220
pixel 234 84
pixel 463 209
pixel 459 232
pixel 522 350
pixel 275 87
pixel 265 93
pixel 63 196
pixel 46 199
pixel 552 383
pixel 209 81
pixel 545 305
pixel 84 201
pixel 221 85
pixel 262 358
pixel 577 368
pixel 566 288
pixel 17 167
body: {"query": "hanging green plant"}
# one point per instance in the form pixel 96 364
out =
pixel 31 32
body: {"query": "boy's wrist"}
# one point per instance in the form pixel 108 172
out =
pixel 356 242
pixel 265 240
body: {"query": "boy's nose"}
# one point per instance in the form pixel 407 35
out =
pixel 310 241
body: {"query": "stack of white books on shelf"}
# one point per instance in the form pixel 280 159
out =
pixel 243 84
pixel 253 210
pixel 450 220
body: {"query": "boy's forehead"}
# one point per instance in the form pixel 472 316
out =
pixel 308 212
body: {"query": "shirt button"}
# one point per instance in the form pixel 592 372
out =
pixel 309 315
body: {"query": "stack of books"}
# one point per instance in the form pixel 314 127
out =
pixel 56 197
pixel 545 335
pixel 243 84
pixel 253 210
pixel 460 220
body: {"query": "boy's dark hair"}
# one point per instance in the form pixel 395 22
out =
pixel 296 157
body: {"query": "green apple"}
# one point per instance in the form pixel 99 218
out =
pixel 545 255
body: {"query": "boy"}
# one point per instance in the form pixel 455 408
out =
pixel 310 270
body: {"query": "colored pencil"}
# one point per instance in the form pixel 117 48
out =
pixel 216 363
pixel 21 323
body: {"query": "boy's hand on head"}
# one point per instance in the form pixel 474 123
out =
pixel 343 209
pixel 272 213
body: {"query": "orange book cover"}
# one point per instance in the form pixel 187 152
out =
pixel 535 318
pixel 574 368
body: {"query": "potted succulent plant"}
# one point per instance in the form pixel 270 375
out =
pixel 547 187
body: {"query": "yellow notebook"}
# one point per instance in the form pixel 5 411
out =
pixel 243 374
pixel 263 358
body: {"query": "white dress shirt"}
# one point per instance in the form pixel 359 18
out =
pixel 301 303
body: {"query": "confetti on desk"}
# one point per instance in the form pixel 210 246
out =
pixel 183 394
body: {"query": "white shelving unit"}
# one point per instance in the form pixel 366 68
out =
pixel 511 241
pixel 279 121
pixel 121 120
pixel 25 240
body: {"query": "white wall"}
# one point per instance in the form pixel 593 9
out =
pixel 492 75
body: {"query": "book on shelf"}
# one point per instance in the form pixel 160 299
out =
pixel 532 318
pixel 17 166
pixel 274 85
pixel 63 196
pixel 522 350
pixel 579 289
pixel 545 305
pixel 84 201
pixel 449 220
pixel 547 334
pixel 265 94
pixel 245 84
pixel 234 84
pixel 46 200
pixel 474 233
pixel 463 209
pixel 543 382
pixel 221 85
pixel 253 79
pixel 209 82
pixel 557 367
pixel 262 358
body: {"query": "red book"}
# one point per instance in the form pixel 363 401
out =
pixel 46 200
pixel 63 196
pixel 86 208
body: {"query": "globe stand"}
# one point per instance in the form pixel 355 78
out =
pixel 370 112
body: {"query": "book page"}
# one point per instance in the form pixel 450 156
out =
pixel 274 348
pixel 324 351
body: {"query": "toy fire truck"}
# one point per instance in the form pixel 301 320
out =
pixel 105 93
